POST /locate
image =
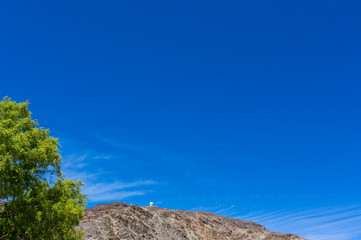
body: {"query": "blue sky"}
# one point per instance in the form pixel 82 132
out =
pixel 249 109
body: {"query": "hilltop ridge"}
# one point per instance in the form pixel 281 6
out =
pixel 118 221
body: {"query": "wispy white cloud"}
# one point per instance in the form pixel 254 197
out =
pixel 115 196
pixel 342 236
pixel 103 156
pixel 205 209
pixel 74 161
pixel 225 210
pixel 97 189
pixel 331 223
pixel 74 168
pixel 114 191
pixel 109 187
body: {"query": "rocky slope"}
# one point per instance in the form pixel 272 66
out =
pixel 123 221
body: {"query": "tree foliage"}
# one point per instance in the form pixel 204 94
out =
pixel 37 203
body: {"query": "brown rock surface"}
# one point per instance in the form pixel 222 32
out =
pixel 118 220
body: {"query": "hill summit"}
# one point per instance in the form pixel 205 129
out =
pixel 116 221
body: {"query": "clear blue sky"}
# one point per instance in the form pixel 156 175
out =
pixel 248 109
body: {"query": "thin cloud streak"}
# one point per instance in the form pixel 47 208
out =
pixel 114 196
pixel 97 190
pixel 314 224
pixel 114 191
pixel 104 157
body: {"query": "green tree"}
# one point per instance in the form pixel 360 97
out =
pixel 36 201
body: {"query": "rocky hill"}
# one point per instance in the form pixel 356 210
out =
pixel 118 220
